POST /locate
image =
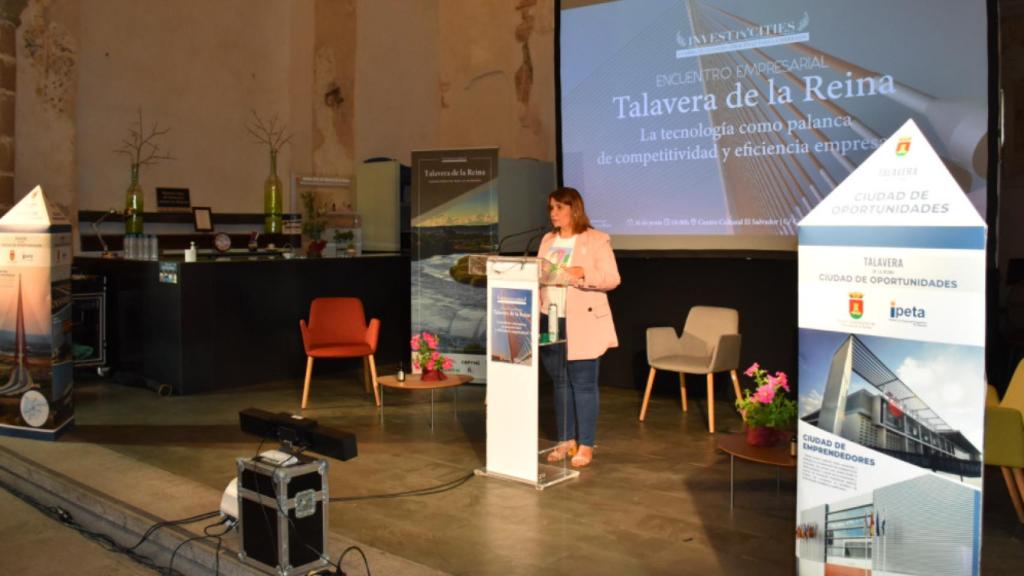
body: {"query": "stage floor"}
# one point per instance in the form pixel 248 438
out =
pixel 654 501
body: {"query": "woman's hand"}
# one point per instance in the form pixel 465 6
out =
pixel 575 275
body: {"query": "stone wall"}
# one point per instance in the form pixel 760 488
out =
pixel 200 69
pixel 352 79
pixel 8 83
pixel 46 152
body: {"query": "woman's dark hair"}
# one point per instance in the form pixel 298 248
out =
pixel 571 197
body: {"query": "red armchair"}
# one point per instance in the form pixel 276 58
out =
pixel 337 329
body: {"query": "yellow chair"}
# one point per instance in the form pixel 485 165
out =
pixel 710 343
pixel 1004 436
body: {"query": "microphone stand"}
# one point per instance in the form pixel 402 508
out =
pixel 517 234
pixel 99 236
pixel 544 230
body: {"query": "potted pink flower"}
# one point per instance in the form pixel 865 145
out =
pixel 767 411
pixel 426 359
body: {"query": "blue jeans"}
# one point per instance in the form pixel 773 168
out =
pixel 576 395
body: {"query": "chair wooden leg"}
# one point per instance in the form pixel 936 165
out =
pixel 1014 484
pixel 682 389
pixel 305 386
pixel 373 377
pixel 647 394
pixel 738 391
pixel 367 382
pixel 711 403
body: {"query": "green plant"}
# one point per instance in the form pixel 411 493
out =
pixel 768 404
pixel 314 221
pixel 344 237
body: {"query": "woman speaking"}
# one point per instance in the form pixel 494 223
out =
pixel 582 255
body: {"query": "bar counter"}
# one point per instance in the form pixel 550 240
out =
pixel 231 322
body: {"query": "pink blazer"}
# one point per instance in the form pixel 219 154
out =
pixel 588 318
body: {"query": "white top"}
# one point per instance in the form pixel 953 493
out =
pixel 559 255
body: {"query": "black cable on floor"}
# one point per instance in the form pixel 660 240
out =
pixel 341 559
pixel 206 534
pixel 60 515
pixel 152 529
pixel 108 543
pixel 451 485
pixel 220 541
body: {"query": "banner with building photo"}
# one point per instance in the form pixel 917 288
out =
pixel 454 214
pixel 511 326
pixel 36 367
pixel 891 370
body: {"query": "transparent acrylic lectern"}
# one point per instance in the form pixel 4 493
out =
pixel 514 448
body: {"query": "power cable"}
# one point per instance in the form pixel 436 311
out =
pixel 107 542
pixel 341 559
pixel 429 491
pixel 206 534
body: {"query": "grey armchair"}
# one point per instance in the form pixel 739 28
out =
pixel 710 343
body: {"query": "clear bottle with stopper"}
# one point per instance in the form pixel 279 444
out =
pixel 553 322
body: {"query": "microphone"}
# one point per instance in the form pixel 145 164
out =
pixel 544 230
pixel 517 234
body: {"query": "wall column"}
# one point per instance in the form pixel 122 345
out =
pixel 8 77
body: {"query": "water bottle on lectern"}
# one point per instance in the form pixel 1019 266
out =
pixel 552 322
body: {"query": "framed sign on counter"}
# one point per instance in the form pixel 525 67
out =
pixel 203 219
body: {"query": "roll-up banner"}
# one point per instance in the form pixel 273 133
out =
pixel 454 214
pixel 891 370
pixel 36 369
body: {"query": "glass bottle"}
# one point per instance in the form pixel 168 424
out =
pixel 133 204
pixel 272 198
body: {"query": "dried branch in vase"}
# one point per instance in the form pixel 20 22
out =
pixel 268 133
pixel 141 146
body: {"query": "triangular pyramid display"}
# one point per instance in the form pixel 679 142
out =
pixel 35 212
pixel 877 193
pixel 36 365
pixel 891 371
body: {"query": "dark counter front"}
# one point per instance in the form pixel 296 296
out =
pixel 231 323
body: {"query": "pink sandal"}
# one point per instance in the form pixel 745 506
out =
pixel 583 457
pixel 561 450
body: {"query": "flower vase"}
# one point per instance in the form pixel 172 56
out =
pixel 272 199
pixel 764 436
pixel 315 248
pixel 432 375
pixel 133 204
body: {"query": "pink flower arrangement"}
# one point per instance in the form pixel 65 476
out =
pixel 425 355
pixel 768 404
